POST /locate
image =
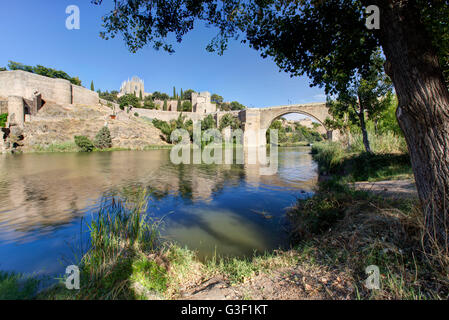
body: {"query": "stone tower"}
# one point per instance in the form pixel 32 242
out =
pixel 201 102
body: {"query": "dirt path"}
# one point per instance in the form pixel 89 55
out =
pixel 301 282
pixel 390 188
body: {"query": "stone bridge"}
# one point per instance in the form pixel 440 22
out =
pixel 256 121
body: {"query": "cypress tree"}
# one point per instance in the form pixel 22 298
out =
pixel 92 86
pixel 165 105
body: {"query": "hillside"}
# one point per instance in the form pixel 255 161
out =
pixel 56 124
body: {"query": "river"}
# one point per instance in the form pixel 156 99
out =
pixel 228 210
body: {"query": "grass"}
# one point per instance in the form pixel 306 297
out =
pixel 17 287
pixel 68 146
pixel 348 230
pixel 240 270
pixel 333 159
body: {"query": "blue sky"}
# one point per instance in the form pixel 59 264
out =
pixel 33 32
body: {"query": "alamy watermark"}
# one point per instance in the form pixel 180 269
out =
pixel 373 280
pixel 73 21
pixel 73 277
pixel 373 19
pixel 229 147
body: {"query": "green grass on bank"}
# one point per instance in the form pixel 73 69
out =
pixel 348 230
pixel 334 159
pixel 70 146
pixel 17 287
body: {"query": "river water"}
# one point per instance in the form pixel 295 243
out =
pixel 228 210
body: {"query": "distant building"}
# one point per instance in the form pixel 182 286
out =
pixel 134 86
pixel 201 103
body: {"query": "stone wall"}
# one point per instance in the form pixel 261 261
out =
pixel 25 84
pixel 81 95
pixel 166 115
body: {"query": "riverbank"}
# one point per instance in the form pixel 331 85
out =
pixel 336 235
pixel 70 146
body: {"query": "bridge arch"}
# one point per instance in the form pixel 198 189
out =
pixel 259 120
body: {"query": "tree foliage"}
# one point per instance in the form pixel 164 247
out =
pixel 44 71
pixel 84 143
pixel 186 106
pixel 229 120
pixel 129 100
pixel 160 96
pixel 369 94
pixel 103 139
pixel 187 95
pixel 109 96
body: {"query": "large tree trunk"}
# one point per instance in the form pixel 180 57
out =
pixel 423 110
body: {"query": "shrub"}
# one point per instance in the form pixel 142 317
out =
pixel 148 103
pixel 136 114
pixel 84 143
pixel 3 119
pixel 103 138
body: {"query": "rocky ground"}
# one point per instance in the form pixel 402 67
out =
pixel 293 283
pixel 57 124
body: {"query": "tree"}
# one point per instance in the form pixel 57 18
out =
pixel 2 69
pixel 179 106
pixel 174 93
pixel 369 93
pixel 103 138
pixel 188 94
pixel 140 95
pixel 129 100
pixel 229 120
pixel 237 106
pixel 329 41
pixel 186 106
pixel 44 71
pixel 148 103
pixel 215 98
pixel 160 96
pixel 109 96
pixel 164 107
pixel 208 123
pixel 92 86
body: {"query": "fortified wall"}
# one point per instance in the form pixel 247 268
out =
pixel 167 115
pixel 25 84
pixel 26 93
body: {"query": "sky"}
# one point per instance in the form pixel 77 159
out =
pixel 34 32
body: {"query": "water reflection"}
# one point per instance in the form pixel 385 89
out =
pixel 208 207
